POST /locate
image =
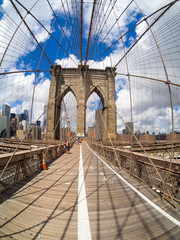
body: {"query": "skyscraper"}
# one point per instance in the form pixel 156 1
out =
pixel 6 110
pixel 4 126
pixel 12 115
pixel 18 117
pixel 26 113
pixel 130 125
pixel 5 120
pixel 99 124
pixel 13 127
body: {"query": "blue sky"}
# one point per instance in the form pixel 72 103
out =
pixel 27 54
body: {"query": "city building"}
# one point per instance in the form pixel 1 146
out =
pixel 99 124
pixel 25 125
pixel 36 133
pixel 18 118
pixel 146 138
pixel 126 131
pixel 6 110
pixel 12 115
pixel 12 125
pixel 20 134
pixel 4 121
pixel 4 126
pixel 20 126
pixel 26 113
pixel 23 117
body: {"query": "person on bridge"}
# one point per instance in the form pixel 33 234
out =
pixel 67 146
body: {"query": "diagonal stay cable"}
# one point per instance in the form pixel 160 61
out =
pixel 139 143
pixel 15 33
pixel 31 31
pixel 70 25
pixel 166 6
pixel 60 25
pixel 117 19
pixel 130 87
pixel 45 29
pixel 25 71
pixel 102 19
pixel 10 23
pixel 50 103
pixel 34 88
pixel 148 28
pixel 103 23
pixel 148 78
pixel 170 93
pixel 59 47
pixel 75 26
pixel 95 24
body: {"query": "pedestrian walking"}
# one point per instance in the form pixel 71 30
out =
pixel 67 146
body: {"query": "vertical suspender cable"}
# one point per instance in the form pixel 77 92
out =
pixel 81 28
pixel 90 29
pixel 31 32
pixel 167 82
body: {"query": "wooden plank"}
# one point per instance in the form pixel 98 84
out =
pixel 46 206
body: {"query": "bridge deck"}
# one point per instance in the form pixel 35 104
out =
pixel 46 207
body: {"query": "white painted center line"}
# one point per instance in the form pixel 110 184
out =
pixel 84 231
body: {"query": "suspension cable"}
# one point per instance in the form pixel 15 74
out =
pixel 31 31
pixel 167 8
pixel 45 30
pixel 60 25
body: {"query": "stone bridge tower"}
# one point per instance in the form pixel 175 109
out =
pixel 82 82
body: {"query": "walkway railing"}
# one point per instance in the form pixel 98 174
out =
pixel 138 165
pixel 25 163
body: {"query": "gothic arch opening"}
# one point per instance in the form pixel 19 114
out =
pixel 94 115
pixel 98 93
pixel 68 115
pixel 74 81
pixel 65 92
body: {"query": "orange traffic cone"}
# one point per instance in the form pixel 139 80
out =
pixel 57 152
pixel 157 177
pixel 44 162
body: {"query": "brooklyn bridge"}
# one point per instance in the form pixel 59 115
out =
pixel 90 119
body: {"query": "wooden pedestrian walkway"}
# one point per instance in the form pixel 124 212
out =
pixel 79 197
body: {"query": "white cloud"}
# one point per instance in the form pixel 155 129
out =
pixel 68 62
pixel 151 101
pixel 69 108
pixel 92 104
pixel 150 106
pixel 22 40
pixel 20 90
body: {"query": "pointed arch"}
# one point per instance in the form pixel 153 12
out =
pixel 64 92
pixel 100 95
